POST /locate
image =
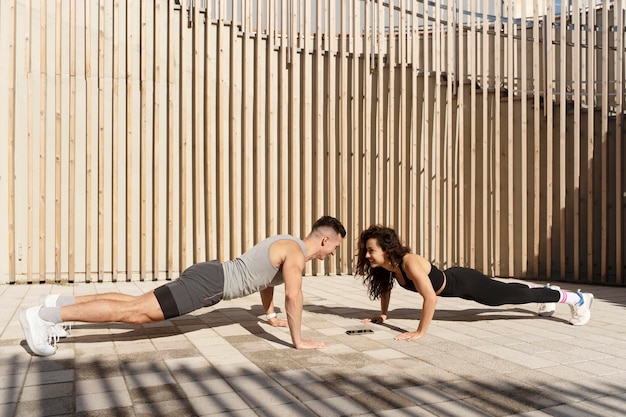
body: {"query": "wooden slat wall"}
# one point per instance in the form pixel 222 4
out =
pixel 169 136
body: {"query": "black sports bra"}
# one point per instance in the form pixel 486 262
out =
pixel 436 276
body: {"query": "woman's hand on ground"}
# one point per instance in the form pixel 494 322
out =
pixel 376 320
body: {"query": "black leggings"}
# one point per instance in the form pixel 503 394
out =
pixel 470 284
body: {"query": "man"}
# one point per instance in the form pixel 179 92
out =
pixel 274 261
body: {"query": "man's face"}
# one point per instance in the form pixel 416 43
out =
pixel 329 246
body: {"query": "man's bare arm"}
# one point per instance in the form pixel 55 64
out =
pixel 267 298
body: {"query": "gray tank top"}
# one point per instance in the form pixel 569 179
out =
pixel 253 271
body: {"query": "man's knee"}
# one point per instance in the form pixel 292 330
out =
pixel 145 309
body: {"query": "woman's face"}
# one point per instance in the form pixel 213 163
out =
pixel 374 253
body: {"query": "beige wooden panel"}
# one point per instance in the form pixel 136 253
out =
pixel 156 148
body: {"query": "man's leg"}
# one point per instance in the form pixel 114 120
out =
pixel 114 307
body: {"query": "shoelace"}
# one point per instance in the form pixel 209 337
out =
pixel 53 337
pixel 575 308
pixel 53 333
pixel 65 326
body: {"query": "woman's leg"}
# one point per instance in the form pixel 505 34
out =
pixel 476 286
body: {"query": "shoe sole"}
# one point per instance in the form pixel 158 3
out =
pixel 26 329
pixel 546 313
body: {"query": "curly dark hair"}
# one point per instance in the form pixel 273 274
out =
pixel 379 280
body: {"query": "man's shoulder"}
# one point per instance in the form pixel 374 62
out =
pixel 287 245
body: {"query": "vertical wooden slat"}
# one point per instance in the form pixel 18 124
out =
pixel 283 106
pixel 452 79
pixel 210 175
pixel 293 114
pixel 497 148
pixel 43 137
pixel 183 94
pixel 426 126
pixel 88 142
pixel 562 134
pixel 461 52
pixel 115 142
pixel 380 33
pixel 333 53
pixel 576 73
pixel 260 105
pixel 619 123
pixel 197 135
pixel 129 141
pixel 389 154
pixel 11 140
pixel 271 103
pixel 437 160
pixel 536 137
pixel 413 222
pixel 510 77
pixel 58 140
pixel 318 92
pixel 143 138
pixel 29 134
pixel 343 122
pixel 71 218
pixel 101 37
pixel 245 114
pixel 549 103
pixel 486 186
pixel 170 245
pixel 604 141
pixel 591 44
pixel 221 132
pixel 472 45
pixel 156 138
pixel 368 73
pixel 523 153
pixel 306 149
pixel 356 198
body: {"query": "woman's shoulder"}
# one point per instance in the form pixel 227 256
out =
pixel 414 259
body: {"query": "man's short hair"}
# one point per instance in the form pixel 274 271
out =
pixel 329 221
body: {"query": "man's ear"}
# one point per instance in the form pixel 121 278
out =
pixel 324 240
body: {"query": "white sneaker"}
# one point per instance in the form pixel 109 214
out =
pixel 49 300
pixel 547 309
pixel 581 312
pixel 37 332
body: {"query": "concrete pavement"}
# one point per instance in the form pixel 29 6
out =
pixel 226 361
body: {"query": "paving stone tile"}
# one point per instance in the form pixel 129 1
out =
pixel 336 406
pixel 100 385
pixel 98 401
pixel 206 387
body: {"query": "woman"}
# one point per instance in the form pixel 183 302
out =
pixel 382 258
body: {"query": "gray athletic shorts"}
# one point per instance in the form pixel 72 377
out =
pixel 200 285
